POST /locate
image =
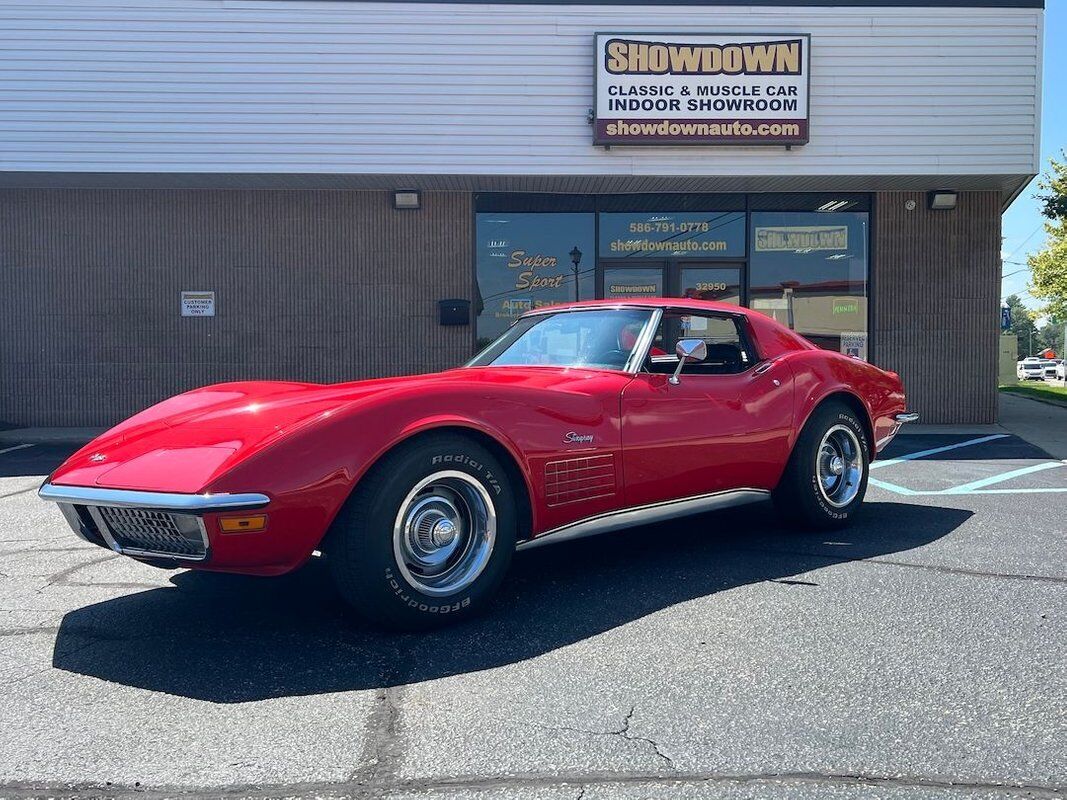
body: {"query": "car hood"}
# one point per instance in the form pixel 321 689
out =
pixel 184 443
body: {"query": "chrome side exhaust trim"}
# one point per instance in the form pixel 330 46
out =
pixel 646 515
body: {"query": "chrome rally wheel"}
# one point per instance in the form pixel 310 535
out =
pixel 825 480
pixel 839 466
pixel 427 534
pixel 444 533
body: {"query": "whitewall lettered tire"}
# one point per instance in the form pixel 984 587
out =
pixel 826 478
pixel 426 536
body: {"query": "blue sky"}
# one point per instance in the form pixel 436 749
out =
pixel 1022 230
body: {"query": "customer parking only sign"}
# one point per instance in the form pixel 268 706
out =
pixel 709 89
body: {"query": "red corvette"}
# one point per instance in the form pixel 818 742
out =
pixel 580 419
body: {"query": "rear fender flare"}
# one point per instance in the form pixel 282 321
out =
pixel 830 393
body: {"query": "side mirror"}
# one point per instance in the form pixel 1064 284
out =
pixel 689 351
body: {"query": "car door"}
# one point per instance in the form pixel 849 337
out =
pixel 726 424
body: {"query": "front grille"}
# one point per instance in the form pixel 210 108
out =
pixel 155 532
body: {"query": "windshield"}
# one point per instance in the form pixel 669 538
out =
pixel 598 339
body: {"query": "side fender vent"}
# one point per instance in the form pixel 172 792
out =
pixel 572 480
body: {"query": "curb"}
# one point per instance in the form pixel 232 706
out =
pixel 1046 401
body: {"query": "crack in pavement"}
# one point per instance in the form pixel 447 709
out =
pixel 83 791
pixel 383 749
pixel 45 550
pixel 624 732
pixel 60 578
pixel 19 491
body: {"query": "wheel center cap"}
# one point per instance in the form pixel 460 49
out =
pixel 837 465
pixel 443 533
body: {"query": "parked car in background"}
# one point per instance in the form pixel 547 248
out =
pixel 1051 365
pixel 1030 369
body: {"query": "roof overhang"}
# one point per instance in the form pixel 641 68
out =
pixel 1009 185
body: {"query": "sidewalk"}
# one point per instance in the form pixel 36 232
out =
pixel 1041 424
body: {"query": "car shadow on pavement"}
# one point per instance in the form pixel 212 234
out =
pixel 33 460
pixel 231 639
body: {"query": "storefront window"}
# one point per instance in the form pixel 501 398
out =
pixel 672 234
pixel 809 271
pixel 526 261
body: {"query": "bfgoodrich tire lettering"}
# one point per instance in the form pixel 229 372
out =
pixel 426 536
pixel 826 478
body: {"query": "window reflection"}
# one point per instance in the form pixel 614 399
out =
pixel 809 271
pixel 526 261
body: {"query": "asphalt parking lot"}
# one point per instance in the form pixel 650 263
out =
pixel 921 653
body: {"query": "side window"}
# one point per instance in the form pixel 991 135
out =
pixel 728 351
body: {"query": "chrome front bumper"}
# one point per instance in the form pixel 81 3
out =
pixel 155 501
pixel 144 524
pixel 909 416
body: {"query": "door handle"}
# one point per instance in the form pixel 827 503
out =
pixel 760 369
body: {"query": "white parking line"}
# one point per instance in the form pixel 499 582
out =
pixel 16 447
pixel 932 451
pixel 974 487
pixel 1004 476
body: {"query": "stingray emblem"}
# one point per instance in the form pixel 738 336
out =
pixel 578 438
pixel 96 458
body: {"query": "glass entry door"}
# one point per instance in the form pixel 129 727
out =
pixel 722 282
pixel 702 280
pixel 646 279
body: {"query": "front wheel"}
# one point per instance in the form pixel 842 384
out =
pixel 826 478
pixel 427 535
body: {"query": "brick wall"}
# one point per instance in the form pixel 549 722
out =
pixel 310 285
pixel 936 303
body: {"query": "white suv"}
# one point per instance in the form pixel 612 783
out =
pixel 1031 369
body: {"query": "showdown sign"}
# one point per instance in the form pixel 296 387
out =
pixel 701 89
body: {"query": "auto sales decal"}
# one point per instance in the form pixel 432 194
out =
pixel 711 89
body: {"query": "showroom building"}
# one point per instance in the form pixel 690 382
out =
pixel 324 190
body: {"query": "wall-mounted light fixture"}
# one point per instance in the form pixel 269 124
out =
pixel 406 199
pixel 942 199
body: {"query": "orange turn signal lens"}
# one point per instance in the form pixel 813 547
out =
pixel 246 524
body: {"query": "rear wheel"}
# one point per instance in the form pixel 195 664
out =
pixel 427 536
pixel 826 478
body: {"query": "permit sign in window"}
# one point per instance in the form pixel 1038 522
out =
pixel 702 89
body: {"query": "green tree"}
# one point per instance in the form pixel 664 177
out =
pixel 1048 268
pixel 1050 337
pixel 1022 324
pixel 1054 182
